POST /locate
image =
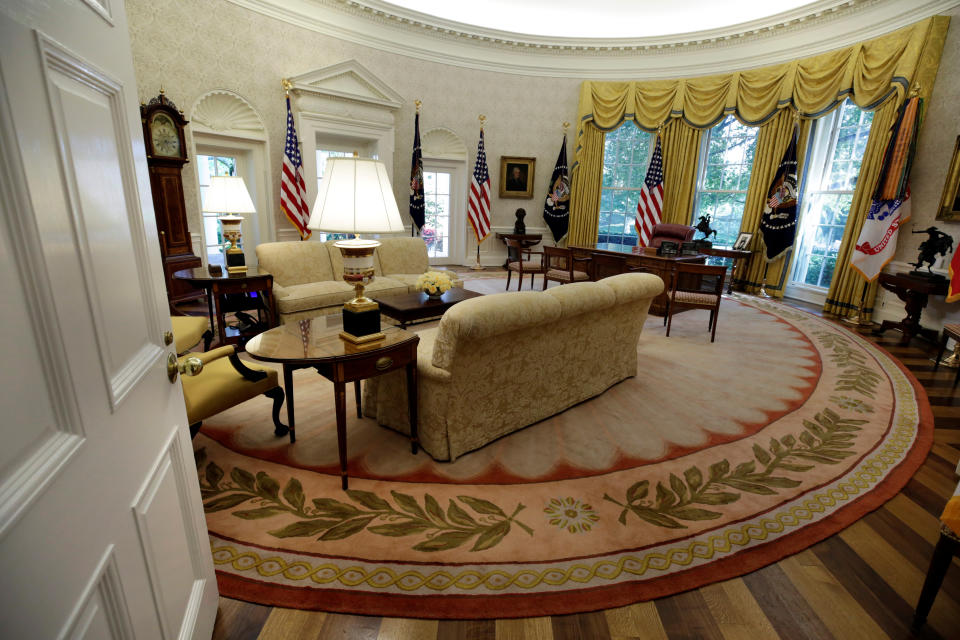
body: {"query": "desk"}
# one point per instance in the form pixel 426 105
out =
pixel 527 240
pixel 310 343
pixel 733 254
pixel 914 291
pixel 221 288
pixel 605 263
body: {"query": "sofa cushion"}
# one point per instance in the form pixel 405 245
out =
pixel 385 286
pixel 582 297
pixel 313 295
pixel 293 263
pixel 403 255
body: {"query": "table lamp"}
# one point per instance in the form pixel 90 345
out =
pixel 228 195
pixel 356 197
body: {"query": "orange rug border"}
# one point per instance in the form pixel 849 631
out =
pixel 462 607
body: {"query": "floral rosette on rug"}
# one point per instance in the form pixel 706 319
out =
pixel 434 283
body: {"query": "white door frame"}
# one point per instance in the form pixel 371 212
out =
pixel 458 207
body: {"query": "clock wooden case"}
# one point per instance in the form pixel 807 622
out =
pixel 166 154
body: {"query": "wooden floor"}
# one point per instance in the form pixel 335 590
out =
pixel 860 583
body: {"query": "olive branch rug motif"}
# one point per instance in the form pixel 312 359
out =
pixel 824 429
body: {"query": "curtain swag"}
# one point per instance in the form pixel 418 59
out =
pixel 873 74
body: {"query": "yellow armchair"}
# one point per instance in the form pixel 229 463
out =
pixel 225 381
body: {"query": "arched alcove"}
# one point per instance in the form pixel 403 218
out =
pixel 443 144
pixel 226 113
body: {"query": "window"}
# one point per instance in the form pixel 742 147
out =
pixel 727 158
pixel 208 167
pixel 626 155
pixel 840 141
pixel 436 226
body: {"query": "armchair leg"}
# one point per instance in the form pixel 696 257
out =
pixel 195 429
pixel 942 555
pixel 207 339
pixel 276 394
pixel 509 275
pixel 669 318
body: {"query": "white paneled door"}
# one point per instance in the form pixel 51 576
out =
pixel 102 532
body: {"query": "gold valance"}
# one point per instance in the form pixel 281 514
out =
pixel 868 73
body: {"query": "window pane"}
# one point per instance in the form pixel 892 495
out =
pixel 626 155
pixel 722 190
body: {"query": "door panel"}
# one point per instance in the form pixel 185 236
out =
pixel 96 475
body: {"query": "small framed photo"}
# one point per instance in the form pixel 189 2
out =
pixel 668 248
pixel 516 177
pixel 950 200
pixel 742 241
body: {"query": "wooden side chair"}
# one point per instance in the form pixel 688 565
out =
pixel 525 263
pixel 696 286
pixel 561 265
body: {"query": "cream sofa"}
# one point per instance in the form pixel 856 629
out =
pixel 498 363
pixel 307 276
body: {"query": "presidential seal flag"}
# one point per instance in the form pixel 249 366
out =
pixel 778 224
pixel 878 237
pixel 416 177
pixel 556 208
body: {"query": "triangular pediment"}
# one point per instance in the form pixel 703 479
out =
pixel 348 80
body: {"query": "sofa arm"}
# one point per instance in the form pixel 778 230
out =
pixel 436 374
pixel 279 291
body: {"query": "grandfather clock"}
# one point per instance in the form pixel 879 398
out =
pixel 166 154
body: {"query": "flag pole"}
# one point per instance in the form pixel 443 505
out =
pixel 858 320
pixel 763 283
pixel 478 266
pixel 413 232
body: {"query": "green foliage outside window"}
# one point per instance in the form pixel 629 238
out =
pixel 626 155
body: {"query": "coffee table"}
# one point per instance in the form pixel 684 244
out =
pixel 410 308
pixel 310 343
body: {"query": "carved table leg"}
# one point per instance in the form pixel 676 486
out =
pixel 340 391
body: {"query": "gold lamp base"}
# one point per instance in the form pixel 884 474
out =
pixel 361 316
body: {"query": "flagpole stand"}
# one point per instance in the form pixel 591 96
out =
pixel 953 360
pixel 858 320
pixel 763 284
pixel 477 266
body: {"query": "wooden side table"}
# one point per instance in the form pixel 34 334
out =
pixel 310 343
pixel 914 291
pixel 526 240
pixel 734 254
pixel 220 287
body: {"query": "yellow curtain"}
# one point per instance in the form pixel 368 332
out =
pixel 772 141
pixel 681 144
pixel 846 286
pixel 585 187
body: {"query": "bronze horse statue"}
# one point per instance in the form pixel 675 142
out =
pixel 704 227
pixel 936 242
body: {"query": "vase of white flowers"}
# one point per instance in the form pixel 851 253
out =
pixel 434 284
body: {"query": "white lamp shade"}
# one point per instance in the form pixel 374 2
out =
pixel 355 197
pixel 228 194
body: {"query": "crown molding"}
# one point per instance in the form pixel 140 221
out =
pixel 815 28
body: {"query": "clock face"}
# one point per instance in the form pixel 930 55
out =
pixel 163 133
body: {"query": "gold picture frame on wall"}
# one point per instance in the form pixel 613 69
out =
pixel 516 177
pixel 950 200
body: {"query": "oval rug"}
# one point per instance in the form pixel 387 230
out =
pixel 715 460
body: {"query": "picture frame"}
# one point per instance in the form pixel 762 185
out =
pixel 950 200
pixel 689 249
pixel 516 176
pixel 668 248
pixel 743 240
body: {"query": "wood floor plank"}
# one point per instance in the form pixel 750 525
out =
pixel 927 498
pixel 525 629
pixel 582 626
pixel 639 620
pixel 932 476
pixel 293 623
pixel 899 573
pixel 408 629
pixel 912 515
pixel 736 611
pixel 838 610
pixel 338 625
pixel 888 609
pixel 467 630
pixel 946 436
pixel 791 615
pixel 687 615
pixel 238 620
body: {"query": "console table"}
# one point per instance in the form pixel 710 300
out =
pixel 223 292
pixel 914 291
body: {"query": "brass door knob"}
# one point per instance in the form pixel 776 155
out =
pixel 188 366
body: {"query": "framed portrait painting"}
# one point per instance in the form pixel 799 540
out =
pixel 516 177
pixel 950 200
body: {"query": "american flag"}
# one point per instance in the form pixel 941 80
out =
pixel 293 191
pixel 478 209
pixel 651 198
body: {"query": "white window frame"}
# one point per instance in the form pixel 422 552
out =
pixel 458 208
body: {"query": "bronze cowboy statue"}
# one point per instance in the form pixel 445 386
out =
pixel 704 227
pixel 936 242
